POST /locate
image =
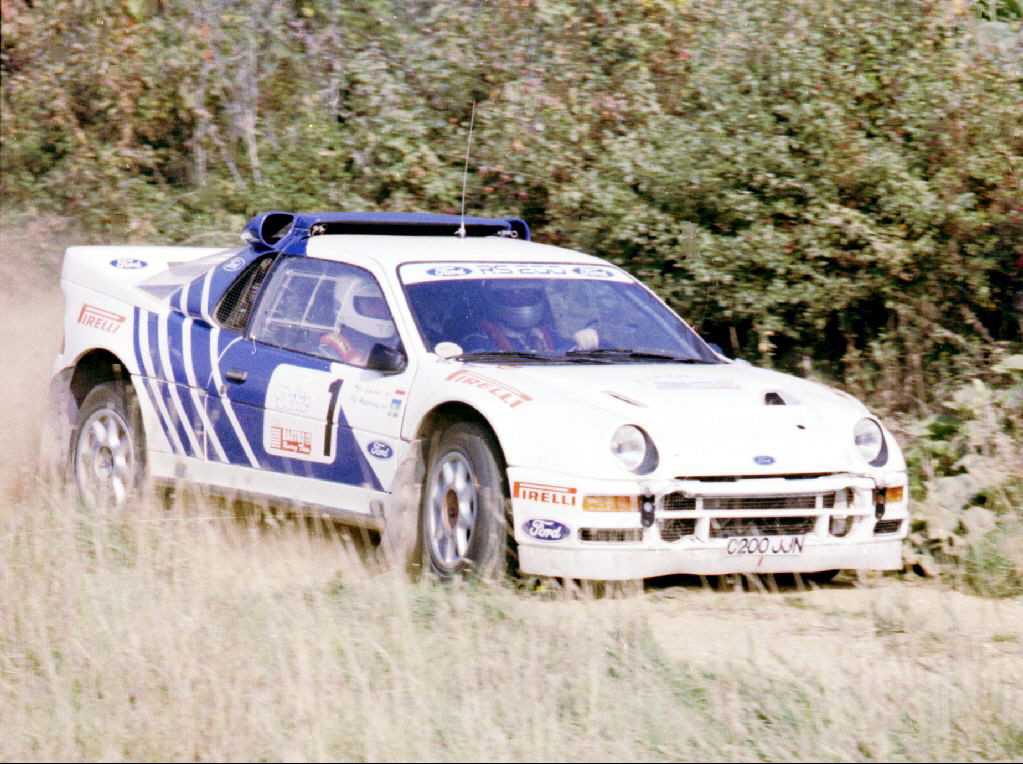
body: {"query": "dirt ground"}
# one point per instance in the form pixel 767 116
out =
pixel 880 622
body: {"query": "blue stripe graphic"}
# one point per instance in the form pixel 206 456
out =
pixel 176 352
pixel 165 374
pixel 199 336
pixel 147 382
pixel 230 438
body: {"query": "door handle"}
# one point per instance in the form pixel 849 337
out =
pixel 236 375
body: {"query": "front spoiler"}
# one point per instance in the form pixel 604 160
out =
pixel 610 564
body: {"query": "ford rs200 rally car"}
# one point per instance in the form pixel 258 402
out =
pixel 466 395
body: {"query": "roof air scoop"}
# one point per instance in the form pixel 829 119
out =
pixel 265 230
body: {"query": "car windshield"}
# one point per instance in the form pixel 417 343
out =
pixel 543 312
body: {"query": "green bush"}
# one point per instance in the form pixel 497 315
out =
pixel 831 184
pixel 966 471
pixel 994 566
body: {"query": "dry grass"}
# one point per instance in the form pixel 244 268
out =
pixel 172 634
pixel 187 634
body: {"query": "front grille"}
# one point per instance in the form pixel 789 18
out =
pixel 727 527
pixel 676 528
pixel 612 535
pixel 887 526
pixel 676 501
pixel 803 501
pixel 679 501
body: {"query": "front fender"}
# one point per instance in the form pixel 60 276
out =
pixel 532 428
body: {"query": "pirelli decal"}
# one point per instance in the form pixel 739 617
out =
pixel 545 494
pixel 506 393
pixel 98 318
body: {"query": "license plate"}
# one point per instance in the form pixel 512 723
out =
pixel 758 545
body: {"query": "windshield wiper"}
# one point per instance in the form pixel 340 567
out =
pixel 520 355
pixel 638 355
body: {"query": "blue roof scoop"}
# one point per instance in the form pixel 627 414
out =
pixel 288 231
pixel 265 230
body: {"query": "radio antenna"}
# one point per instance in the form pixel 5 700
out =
pixel 460 233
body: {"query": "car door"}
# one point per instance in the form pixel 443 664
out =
pixel 311 422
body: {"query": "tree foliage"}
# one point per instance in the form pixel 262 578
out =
pixel 824 183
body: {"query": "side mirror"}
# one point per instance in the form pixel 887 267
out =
pixel 447 349
pixel 386 359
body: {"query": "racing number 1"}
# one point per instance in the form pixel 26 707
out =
pixel 328 435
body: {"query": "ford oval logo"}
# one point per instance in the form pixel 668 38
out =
pixel 234 264
pixel 546 530
pixel 450 270
pixel 764 460
pixel 380 450
pixel 128 263
pixel 593 272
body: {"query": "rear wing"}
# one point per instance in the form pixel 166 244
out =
pixel 288 232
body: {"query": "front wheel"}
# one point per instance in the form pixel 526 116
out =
pixel 106 456
pixel 463 520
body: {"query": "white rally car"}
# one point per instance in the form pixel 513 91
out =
pixel 466 392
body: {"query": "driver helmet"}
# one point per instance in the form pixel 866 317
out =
pixel 363 308
pixel 518 303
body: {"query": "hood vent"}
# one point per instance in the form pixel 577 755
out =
pixel 773 398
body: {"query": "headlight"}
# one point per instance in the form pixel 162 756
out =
pixel 633 449
pixel 870 442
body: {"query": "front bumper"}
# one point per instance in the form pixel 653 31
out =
pixel 622 564
pixel 799 524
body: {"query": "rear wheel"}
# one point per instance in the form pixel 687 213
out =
pixel 463 518
pixel 107 454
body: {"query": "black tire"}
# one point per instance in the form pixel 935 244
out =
pixel 107 454
pixel 463 515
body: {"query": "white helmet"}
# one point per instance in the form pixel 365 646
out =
pixel 363 308
pixel 518 303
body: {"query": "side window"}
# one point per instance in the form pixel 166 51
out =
pixel 326 309
pixel 236 304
